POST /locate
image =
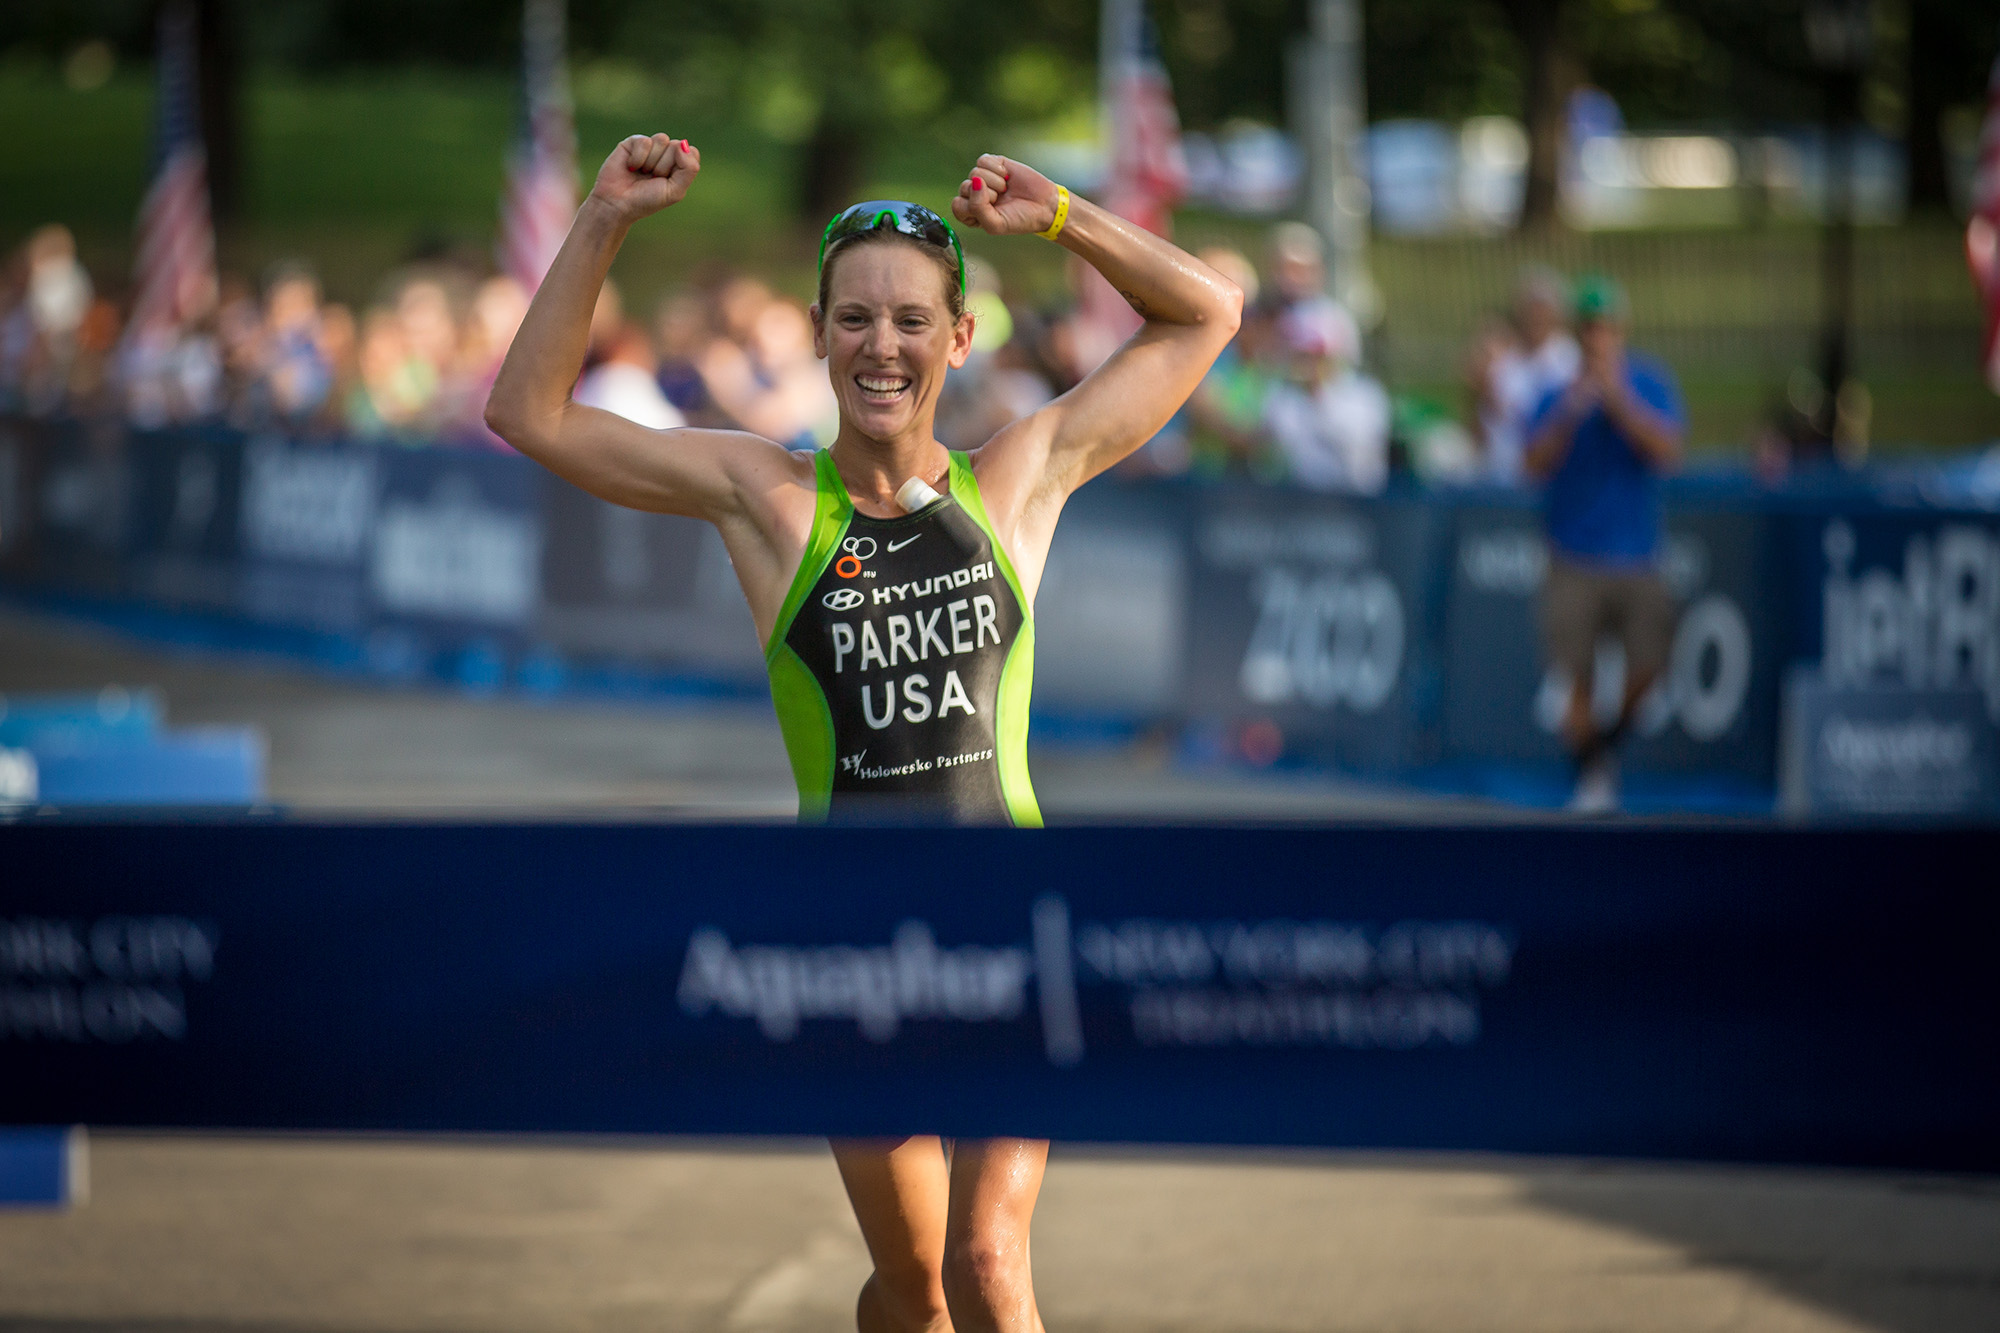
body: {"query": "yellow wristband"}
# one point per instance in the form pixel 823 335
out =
pixel 1062 214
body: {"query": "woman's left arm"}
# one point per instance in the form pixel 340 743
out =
pixel 1191 313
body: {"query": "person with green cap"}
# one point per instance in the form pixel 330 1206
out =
pixel 1600 444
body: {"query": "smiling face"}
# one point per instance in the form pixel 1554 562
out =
pixel 888 336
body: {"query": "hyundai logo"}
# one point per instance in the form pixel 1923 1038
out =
pixel 841 599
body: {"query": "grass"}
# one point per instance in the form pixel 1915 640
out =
pixel 356 173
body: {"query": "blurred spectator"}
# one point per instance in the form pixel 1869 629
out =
pixel 413 384
pixel 392 387
pixel 1328 420
pixel 292 377
pixel 680 332
pixel 1514 366
pixel 1298 275
pixel 173 374
pixel 39 346
pixel 763 372
pixel 429 327
pixel 90 380
pixel 1432 443
pixel 622 380
pixel 1297 264
pixel 999 383
pixel 497 309
pixel 1601 442
pixel 339 345
pixel 239 329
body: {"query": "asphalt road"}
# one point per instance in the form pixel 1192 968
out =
pixel 287 1236
pixel 341 747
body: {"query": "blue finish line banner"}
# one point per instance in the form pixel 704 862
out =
pixel 1722 993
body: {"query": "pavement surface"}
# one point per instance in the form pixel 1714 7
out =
pixel 344 747
pixel 317 1236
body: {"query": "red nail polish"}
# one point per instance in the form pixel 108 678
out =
pixel 684 145
pixel 978 184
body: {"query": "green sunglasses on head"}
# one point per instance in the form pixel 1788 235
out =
pixel 912 220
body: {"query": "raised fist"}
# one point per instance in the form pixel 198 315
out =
pixel 1005 198
pixel 646 174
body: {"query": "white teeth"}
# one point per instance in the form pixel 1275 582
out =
pixel 881 386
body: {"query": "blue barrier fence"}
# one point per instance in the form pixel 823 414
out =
pixel 114 748
pixel 43 1166
pixel 1717 992
pixel 1393 636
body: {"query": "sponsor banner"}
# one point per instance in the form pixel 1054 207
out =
pixel 652 588
pixel 1374 634
pixel 1111 616
pixel 1899 597
pixel 83 509
pixel 1559 990
pixel 457 540
pixel 1311 622
pixel 1713 710
pixel 22 445
pixel 306 527
pixel 1888 749
pixel 186 500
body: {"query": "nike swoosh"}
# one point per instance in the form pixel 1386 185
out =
pixel 894 547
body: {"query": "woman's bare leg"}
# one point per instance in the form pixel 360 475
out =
pixel 987 1283
pixel 900 1189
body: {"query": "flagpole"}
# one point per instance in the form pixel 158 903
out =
pixel 540 195
pixel 1117 36
pixel 1329 107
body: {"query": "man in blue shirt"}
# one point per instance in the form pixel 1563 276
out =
pixel 1601 443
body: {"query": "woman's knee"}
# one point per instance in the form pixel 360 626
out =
pixel 982 1269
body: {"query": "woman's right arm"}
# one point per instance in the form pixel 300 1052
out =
pixel 700 473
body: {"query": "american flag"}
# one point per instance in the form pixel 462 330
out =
pixel 1982 233
pixel 174 273
pixel 540 200
pixel 1148 172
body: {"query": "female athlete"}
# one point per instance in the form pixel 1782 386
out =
pixel 898 632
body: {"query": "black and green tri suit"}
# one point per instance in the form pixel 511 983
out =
pixel 902 662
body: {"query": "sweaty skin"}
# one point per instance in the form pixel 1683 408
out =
pixel 949 1239
pixel 888 323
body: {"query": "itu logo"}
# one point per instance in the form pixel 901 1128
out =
pixel 857 549
pixel 841 599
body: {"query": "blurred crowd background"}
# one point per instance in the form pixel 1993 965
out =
pixel 1290 400
pixel 355 153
